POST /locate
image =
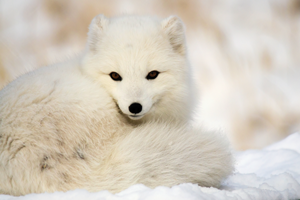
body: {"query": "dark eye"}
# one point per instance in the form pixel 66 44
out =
pixel 115 76
pixel 152 75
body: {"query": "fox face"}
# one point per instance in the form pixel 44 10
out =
pixel 141 63
pixel 131 98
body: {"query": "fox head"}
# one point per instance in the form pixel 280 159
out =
pixel 141 62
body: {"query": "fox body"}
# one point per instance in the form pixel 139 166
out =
pixel 115 116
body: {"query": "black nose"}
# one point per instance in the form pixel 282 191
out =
pixel 135 108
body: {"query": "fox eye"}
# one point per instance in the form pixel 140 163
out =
pixel 115 76
pixel 152 75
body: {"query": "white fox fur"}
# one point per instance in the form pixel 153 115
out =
pixel 68 126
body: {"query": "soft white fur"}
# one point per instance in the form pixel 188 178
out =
pixel 66 126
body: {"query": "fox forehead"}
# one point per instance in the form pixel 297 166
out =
pixel 130 42
pixel 132 67
pixel 128 56
pixel 133 45
pixel 133 36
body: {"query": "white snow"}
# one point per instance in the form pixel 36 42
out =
pixel 270 173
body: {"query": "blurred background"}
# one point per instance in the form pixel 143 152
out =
pixel 245 54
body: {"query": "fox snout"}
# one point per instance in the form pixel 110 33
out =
pixel 135 108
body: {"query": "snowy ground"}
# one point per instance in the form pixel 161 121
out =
pixel 270 173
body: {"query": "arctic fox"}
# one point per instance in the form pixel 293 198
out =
pixel 116 116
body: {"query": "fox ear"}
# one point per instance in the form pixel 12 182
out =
pixel 174 29
pixel 96 28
